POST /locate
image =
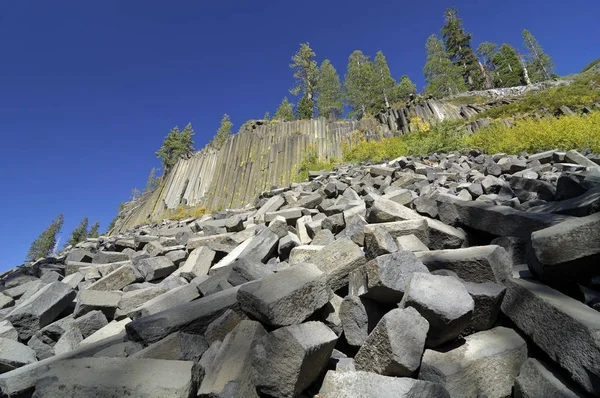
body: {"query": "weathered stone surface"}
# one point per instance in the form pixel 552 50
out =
pixel 230 373
pixel 496 220
pixel 261 247
pixel 90 300
pixel 385 210
pixel 7 331
pixel 176 347
pixel 337 261
pixel 135 298
pixel 6 301
pixel 395 346
pixel 573 156
pixel 570 329
pixel 417 227
pixel 537 379
pixel 14 355
pixel 114 328
pixel 330 314
pixel 569 250
pixel 444 301
pixel 120 350
pixel 378 242
pixel 288 360
pixel 41 309
pixel 287 297
pixel 117 279
pixel 388 275
pixel 96 377
pixel 579 206
pixel 442 236
pixel 172 298
pixel 485 365
pixel 106 257
pixel 220 327
pixel 474 264
pixel 193 317
pixel 69 341
pixel 156 268
pixel 244 270
pixel 410 243
pixel 488 298
pixel 359 316
pixel 349 384
pixel 91 322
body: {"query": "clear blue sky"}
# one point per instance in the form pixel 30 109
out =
pixel 88 89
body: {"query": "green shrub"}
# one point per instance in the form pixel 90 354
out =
pixel 585 90
pixel 311 162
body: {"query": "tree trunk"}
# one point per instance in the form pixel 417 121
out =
pixel 489 82
pixel 525 73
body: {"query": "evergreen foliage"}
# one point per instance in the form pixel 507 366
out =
pixel 502 63
pixel 405 88
pixel 383 83
pixel 175 146
pixel 285 111
pixel 152 181
pixel 306 73
pixel 223 132
pixel 443 77
pixel 358 83
pixel 305 109
pixel 44 244
pixel 330 102
pixel 79 234
pixel 539 64
pixel 267 116
pixel 94 230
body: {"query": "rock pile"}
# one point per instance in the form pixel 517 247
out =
pixel 441 276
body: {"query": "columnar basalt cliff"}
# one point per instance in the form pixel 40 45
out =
pixel 263 155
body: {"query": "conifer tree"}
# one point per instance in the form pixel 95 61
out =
pixel 285 111
pixel 175 146
pixel 44 244
pixel 267 116
pixel 306 73
pixel 405 88
pixel 223 132
pixel 94 230
pixel 539 64
pixel 305 109
pixel 509 71
pixel 152 181
pixel 79 234
pixel 330 102
pixel 359 84
pixel 442 76
pixel 458 46
pixel 384 82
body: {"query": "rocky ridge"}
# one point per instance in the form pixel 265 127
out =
pixel 440 276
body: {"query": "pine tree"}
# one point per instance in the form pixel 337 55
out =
pixel 306 73
pixel 330 102
pixel 175 146
pixel 79 234
pixel 509 72
pixel 267 116
pixel 285 111
pixel 94 230
pixel 223 132
pixel 152 181
pixel 305 109
pixel 359 84
pixel 44 244
pixel 384 82
pixel 442 76
pixel 458 46
pixel 539 64
pixel 405 88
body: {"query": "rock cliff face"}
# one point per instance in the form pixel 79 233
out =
pixel 263 155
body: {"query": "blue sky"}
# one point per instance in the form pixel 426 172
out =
pixel 88 89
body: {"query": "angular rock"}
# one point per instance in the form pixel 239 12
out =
pixel 359 316
pixel 485 365
pixel 105 257
pixel 337 261
pixel 244 270
pixel 41 309
pixel 95 377
pixel 7 331
pixel 349 384
pixel 287 297
pixel 177 256
pixel 418 228
pixel 473 264
pixel 120 350
pixel 573 156
pixel 444 301
pixel 176 347
pixel 378 242
pixel 543 189
pixel 90 323
pixel 410 243
pixel 569 250
pixel 114 328
pixel 387 276
pixel 537 379
pixel 90 300
pixel 529 304
pixel 261 247
pixel 69 341
pixel 395 346
pixel 172 298
pixel 330 314
pixel 193 317
pixel 156 268
pixel 230 373
pixel 287 244
pixel 488 299
pixel 288 360
pixel 14 355
pixel 6 301
pixel 117 279
pixel 220 327
pixel 385 210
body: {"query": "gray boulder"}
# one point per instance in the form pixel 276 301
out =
pixel 90 300
pixel 448 310
pixel 488 299
pixel 156 267
pixel 378 242
pixel 285 362
pixel 485 365
pixel 220 327
pixel 14 355
pixel 537 379
pixel 359 316
pixel 395 346
pixel 338 260
pixel 288 297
